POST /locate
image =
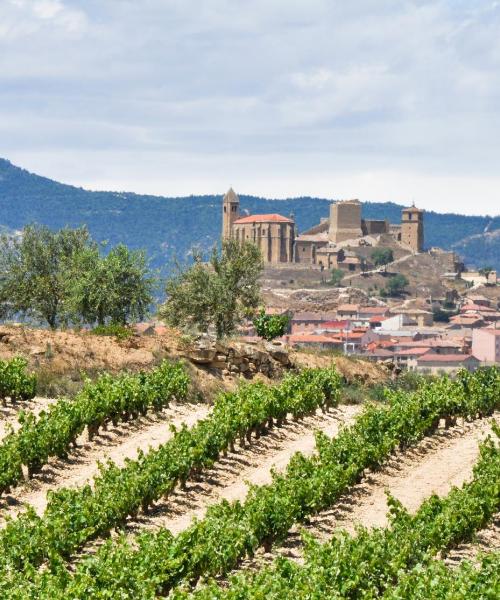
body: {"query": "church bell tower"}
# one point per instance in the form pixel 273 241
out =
pixel 230 212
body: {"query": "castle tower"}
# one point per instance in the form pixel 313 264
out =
pixel 412 228
pixel 345 221
pixel 230 212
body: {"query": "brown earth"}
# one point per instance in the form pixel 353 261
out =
pixel 118 443
pixel 60 358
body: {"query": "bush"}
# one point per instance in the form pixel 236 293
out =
pixel 15 382
pixel 120 332
pixel 270 327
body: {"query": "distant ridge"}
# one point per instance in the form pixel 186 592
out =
pixel 168 227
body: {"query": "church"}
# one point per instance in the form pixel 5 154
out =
pixel 324 245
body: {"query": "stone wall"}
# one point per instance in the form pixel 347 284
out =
pixel 240 359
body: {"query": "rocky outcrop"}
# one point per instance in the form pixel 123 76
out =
pixel 240 358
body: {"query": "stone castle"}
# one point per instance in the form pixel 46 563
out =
pixel 324 244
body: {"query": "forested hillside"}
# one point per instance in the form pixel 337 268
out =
pixel 168 227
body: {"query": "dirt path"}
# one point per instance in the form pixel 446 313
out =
pixel 435 465
pixel 117 444
pixel 229 477
pixel 9 413
pixel 487 540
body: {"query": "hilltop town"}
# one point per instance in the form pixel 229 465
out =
pixel 443 318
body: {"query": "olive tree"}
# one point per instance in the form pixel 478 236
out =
pixel 219 293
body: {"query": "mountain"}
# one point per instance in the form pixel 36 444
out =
pixel 170 227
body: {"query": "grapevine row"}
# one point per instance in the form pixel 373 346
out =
pixel 52 432
pixel 154 563
pixel 371 563
pixel 74 516
pixel 437 581
pixel 15 381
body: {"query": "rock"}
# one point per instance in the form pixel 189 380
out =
pixel 201 356
pixel 36 350
pixel 218 364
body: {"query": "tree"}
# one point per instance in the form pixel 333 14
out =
pixel 396 285
pixel 382 257
pixel 219 293
pixel 117 287
pixel 336 276
pixel 33 281
pixel 270 327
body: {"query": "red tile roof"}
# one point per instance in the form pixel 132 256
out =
pixel 271 218
pixel 335 325
pixel 444 357
pixel 412 351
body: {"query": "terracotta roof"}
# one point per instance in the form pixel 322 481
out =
pixel 478 307
pixel 348 307
pixel 373 310
pixel 413 351
pixel 380 352
pixel 431 343
pixel 457 358
pixel 271 218
pixel 335 325
pixel 378 319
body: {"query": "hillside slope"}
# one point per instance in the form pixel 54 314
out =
pixel 168 227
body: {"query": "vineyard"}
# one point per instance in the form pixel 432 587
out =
pixel 128 491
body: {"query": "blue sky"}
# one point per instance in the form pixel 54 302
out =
pixel 375 99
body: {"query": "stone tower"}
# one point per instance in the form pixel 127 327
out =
pixel 412 228
pixel 345 221
pixel 230 212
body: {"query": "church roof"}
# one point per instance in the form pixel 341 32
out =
pixel 271 218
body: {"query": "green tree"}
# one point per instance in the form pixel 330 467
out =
pixel 219 293
pixel 336 276
pixel 396 285
pixel 115 288
pixel 33 281
pixel 382 257
pixel 270 327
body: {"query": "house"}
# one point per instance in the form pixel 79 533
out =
pixel 415 316
pixel 479 300
pixel 310 321
pixel 486 345
pixel 348 311
pixel 317 341
pixel 435 364
pixel 367 313
pixel 380 335
pixel 465 322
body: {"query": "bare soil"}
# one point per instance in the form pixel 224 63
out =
pixel 116 444
pixel 9 414
pixel 435 465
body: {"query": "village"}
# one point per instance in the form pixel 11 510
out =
pixel 450 323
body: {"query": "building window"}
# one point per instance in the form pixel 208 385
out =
pixel 225 208
pixel 233 208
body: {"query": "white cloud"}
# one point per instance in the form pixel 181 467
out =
pixel 273 88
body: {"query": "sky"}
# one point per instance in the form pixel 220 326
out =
pixel 381 100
